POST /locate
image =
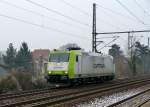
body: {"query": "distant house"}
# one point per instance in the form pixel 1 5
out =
pixel 40 59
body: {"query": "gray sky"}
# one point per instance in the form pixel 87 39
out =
pixel 54 27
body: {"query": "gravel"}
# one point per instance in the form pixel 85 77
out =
pixel 105 101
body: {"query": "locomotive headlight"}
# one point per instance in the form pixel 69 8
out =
pixel 50 72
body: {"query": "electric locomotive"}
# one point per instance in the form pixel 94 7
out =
pixel 77 66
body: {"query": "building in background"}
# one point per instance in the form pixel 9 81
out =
pixel 40 59
pixel 2 70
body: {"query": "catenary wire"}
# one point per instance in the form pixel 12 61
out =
pixel 109 43
pixel 56 12
pixel 115 12
pixel 110 17
pixel 130 12
pixel 39 14
pixel 141 8
pixel 106 22
pixel 118 13
pixel 87 14
pixel 44 27
pixel 74 7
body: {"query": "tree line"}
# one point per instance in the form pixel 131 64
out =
pixel 138 56
pixel 21 59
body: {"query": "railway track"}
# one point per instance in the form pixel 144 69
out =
pixel 65 100
pixel 132 99
pixel 68 95
pixel 30 92
pixel 40 91
pixel 144 103
pixel 51 92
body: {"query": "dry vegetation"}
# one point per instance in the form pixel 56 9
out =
pixel 17 81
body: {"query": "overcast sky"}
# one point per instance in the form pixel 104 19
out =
pixel 48 24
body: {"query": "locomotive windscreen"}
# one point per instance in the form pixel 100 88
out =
pixel 59 57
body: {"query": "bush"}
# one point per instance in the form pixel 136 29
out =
pixel 40 83
pixel 24 79
pixel 9 83
pixel 20 80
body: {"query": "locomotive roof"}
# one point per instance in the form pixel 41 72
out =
pixel 95 54
pixel 82 52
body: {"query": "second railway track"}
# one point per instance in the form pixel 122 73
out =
pixel 133 101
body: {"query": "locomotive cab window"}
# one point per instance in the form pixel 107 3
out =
pixel 59 57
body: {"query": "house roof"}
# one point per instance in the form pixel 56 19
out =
pixel 40 52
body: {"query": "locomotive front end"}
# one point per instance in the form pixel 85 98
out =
pixel 57 68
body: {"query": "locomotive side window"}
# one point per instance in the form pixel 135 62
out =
pixel 77 58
